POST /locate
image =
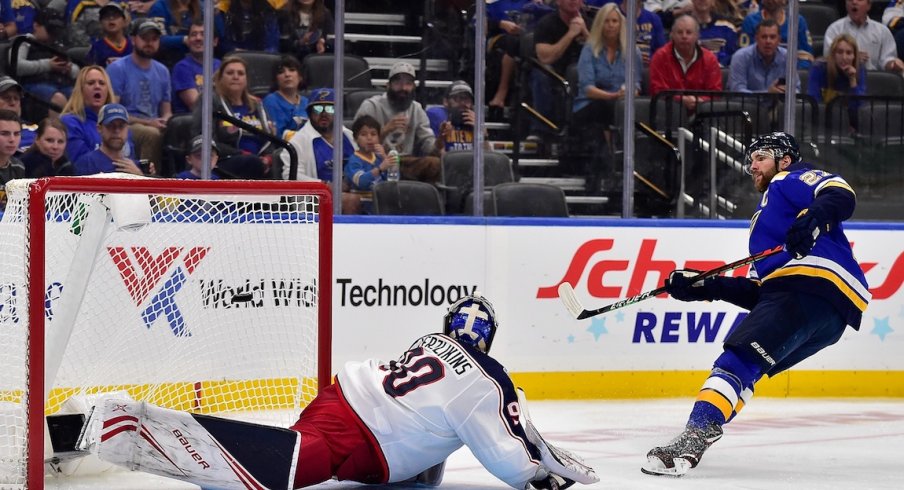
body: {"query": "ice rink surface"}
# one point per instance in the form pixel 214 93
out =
pixel 774 444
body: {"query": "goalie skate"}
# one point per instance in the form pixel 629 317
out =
pixel 683 453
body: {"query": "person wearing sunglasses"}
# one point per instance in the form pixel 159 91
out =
pixel 314 145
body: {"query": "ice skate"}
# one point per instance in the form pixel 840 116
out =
pixel 683 453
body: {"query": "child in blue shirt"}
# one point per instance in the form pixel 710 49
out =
pixel 368 165
pixel 114 43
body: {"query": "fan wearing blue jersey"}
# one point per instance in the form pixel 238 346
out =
pixel 800 300
pixel 380 422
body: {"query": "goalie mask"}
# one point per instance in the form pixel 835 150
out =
pixel 471 320
pixel 777 144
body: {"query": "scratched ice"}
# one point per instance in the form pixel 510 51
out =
pixel 774 444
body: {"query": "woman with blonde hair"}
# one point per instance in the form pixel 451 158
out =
pixel 91 91
pixel 841 73
pixel 242 153
pixel 601 71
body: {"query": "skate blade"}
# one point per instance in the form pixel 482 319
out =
pixel 655 467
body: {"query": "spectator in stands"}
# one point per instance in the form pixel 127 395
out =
pixel 369 164
pixel 10 166
pixel 893 17
pixel 601 72
pixel 177 17
pixel 286 106
pixel 717 34
pixel 11 100
pixel 114 42
pixel 47 75
pixel 776 10
pixel 304 26
pixel 840 74
pixel 453 122
pixel 761 67
pixel 504 34
pixel 142 85
pixel 195 163
pixel 249 25
pixel 729 10
pixel 8 28
pixel 668 10
pixel 47 157
pixel 188 73
pixel 877 45
pixel 83 17
pixel 406 127
pixel 139 9
pixel 242 153
pixel 113 126
pixel 683 65
pixel 559 37
pixel 92 91
pixel 650 34
pixel 24 12
pixel 313 144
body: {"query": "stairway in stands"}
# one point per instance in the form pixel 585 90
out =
pixel 383 37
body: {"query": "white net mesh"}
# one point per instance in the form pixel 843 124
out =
pixel 200 302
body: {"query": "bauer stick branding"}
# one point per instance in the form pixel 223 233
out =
pixel 574 306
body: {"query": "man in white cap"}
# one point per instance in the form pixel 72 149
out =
pixel 406 128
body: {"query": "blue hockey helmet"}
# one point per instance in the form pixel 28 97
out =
pixel 779 143
pixel 471 320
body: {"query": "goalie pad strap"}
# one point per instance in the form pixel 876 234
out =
pixel 207 451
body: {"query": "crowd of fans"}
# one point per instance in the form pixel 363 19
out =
pixel 144 66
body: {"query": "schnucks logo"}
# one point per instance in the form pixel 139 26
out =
pixel 143 274
pixel 605 276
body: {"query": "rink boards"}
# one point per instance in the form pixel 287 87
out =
pixel 393 278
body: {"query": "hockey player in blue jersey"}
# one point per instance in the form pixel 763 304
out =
pixel 800 300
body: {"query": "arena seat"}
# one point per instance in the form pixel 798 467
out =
pixel 317 70
pixel 407 197
pixel 533 200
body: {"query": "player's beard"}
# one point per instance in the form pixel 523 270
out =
pixel 400 100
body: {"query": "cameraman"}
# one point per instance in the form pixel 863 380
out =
pixel 453 122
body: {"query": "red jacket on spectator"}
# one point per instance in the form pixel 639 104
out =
pixel 666 73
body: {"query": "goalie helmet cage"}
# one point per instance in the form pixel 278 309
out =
pixel 202 296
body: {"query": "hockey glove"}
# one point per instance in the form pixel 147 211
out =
pixel 803 233
pixel 552 482
pixel 682 286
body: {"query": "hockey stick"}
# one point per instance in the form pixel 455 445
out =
pixel 570 299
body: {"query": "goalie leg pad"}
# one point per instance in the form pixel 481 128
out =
pixel 208 451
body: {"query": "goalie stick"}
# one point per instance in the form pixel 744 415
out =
pixel 574 306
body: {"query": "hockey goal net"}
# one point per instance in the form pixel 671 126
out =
pixel 202 296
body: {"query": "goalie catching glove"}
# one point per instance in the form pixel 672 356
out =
pixel 560 469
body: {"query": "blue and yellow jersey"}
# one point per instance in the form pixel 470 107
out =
pixel 830 270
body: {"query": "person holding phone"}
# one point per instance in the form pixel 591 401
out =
pixel 761 66
pixel 453 122
pixel 47 74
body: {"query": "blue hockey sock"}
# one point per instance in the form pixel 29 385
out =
pixel 728 388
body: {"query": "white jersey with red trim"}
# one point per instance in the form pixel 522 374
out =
pixel 439 395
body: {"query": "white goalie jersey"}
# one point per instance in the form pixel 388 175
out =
pixel 439 395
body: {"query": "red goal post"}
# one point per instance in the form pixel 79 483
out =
pixel 204 296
